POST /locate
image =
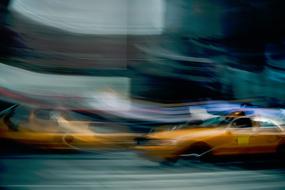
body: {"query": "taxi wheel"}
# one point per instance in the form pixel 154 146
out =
pixel 168 162
pixel 198 151
pixel 281 151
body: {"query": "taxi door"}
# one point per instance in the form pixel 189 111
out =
pixel 238 137
pixel 266 136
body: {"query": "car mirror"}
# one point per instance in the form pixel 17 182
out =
pixel 228 131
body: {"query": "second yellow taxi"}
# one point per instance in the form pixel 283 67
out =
pixel 61 129
pixel 236 134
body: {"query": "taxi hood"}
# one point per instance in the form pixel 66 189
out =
pixel 199 132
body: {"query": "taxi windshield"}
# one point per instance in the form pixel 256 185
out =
pixel 16 116
pixel 215 121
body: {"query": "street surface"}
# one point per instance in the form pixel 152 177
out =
pixel 125 170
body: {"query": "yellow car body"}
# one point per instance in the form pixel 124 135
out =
pixel 53 130
pixel 237 136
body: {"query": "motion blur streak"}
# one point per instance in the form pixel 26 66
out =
pixel 142 94
pixel 59 89
pixel 96 16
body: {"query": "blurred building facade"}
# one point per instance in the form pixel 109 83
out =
pixel 231 50
pixel 173 51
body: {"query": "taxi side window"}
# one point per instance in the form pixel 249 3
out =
pixel 267 125
pixel 242 123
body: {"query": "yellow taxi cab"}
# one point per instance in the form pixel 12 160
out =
pixel 64 130
pixel 236 134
